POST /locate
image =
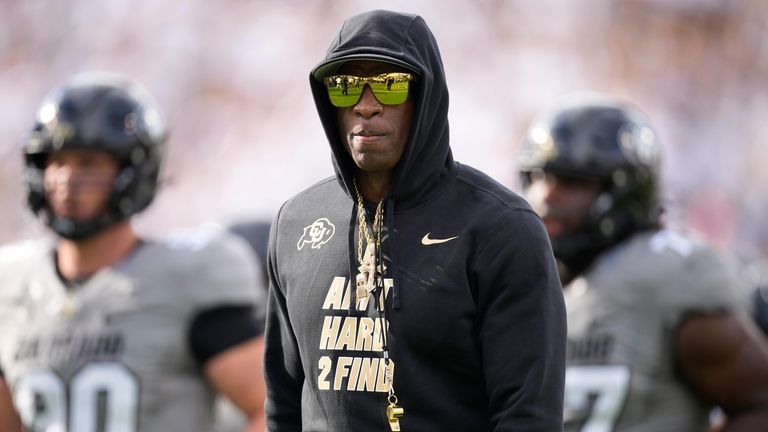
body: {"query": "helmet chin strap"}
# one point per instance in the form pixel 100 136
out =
pixel 576 252
pixel 70 229
pixel 602 229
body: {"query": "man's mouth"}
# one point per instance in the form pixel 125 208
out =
pixel 367 133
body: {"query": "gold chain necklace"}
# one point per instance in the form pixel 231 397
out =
pixel 366 283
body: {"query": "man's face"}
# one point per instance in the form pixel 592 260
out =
pixel 374 134
pixel 78 183
pixel 561 201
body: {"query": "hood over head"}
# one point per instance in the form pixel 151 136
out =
pixel 403 40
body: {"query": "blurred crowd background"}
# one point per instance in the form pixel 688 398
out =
pixel 231 77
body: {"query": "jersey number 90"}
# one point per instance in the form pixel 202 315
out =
pixel 101 397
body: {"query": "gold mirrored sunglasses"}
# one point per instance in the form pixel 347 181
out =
pixel 388 88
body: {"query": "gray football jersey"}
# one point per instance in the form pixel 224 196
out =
pixel 112 354
pixel 622 318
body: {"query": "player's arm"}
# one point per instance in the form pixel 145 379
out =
pixel 237 374
pixel 9 419
pixel 520 304
pixel 228 342
pixel 725 359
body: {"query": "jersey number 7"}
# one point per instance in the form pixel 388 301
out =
pixel 594 397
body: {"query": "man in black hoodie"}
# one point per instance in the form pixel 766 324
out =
pixel 408 291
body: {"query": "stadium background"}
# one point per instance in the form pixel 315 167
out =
pixel 231 77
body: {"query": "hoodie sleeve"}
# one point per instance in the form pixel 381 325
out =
pixel 282 364
pixel 522 329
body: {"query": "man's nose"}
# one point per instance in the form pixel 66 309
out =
pixel 64 179
pixel 368 106
pixel 62 176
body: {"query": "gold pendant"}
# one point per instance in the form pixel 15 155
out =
pixel 360 291
pixel 370 263
pixel 394 412
pixel 365 279
pixel 368 258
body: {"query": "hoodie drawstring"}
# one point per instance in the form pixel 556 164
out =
pixel 390 222
pixel 352 259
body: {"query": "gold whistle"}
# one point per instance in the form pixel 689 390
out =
pixel 394 412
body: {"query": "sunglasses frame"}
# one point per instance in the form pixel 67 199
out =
pixel 375 82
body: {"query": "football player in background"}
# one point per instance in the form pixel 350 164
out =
pixel 655 336
pixel 103 330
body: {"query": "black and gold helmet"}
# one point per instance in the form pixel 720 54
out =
pixel 97 111
pixel 606 140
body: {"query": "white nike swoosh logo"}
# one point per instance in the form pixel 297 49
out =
pixel 426 241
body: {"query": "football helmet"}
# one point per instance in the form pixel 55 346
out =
pixel 605 140
pixel 97 111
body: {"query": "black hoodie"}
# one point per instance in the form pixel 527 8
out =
pixel 476 321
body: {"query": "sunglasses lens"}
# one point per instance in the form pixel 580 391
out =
pixel 391 92
pixel 345 90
